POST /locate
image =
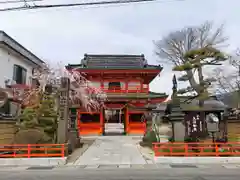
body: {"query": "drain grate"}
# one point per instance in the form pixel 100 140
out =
pixel 40 168
pixel 183 166
pixel 108 166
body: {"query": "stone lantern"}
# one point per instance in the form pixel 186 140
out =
pixel 176 116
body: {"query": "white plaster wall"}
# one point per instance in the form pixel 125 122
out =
pixel 8 58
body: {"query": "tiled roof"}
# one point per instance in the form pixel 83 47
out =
pixel 114 62
pixel 209 105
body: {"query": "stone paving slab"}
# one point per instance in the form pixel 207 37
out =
pixel 112 150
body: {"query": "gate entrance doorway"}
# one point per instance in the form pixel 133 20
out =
pixel 114 122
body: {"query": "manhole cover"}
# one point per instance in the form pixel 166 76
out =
pixel 40 168
pixel 183 166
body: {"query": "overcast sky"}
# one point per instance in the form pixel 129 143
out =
pixel 66 34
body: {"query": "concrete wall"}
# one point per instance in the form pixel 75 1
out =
pixel 8 58
pixel 7 131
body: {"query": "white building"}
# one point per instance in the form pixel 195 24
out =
pixel 16 62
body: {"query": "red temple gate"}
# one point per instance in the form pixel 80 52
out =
pixel 125 80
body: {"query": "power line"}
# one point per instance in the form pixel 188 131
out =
pixel 75 4
pixel 18 1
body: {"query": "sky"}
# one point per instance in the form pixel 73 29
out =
pixel 66 34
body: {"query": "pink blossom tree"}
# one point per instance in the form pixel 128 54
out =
pixel 37 122
pixel 82 90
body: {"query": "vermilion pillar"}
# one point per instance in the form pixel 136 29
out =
pixel 127 120
pixel 101 121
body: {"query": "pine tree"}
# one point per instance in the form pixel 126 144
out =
pixel 38 124
pixel 28 119
pixel 47 115
pixel 195 61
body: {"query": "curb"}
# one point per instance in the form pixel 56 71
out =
pixel 197 160
pixel 32 161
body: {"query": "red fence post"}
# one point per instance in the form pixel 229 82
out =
pixel 216 149
pixel 155 148
pixel 186 149
pixel 14 152
pixel 28 150
pixel 63 151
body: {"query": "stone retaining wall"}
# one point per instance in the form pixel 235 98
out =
pixel 7 131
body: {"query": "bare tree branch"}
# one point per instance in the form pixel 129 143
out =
pixel 172 48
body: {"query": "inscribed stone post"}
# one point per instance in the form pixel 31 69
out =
pixel 63 111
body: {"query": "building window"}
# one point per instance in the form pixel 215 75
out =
pixel 114 86
pixel 134 85
pixel 19 74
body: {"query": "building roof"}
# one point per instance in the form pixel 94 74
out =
pixel 14 45
pixel 91 61
pixel 211 104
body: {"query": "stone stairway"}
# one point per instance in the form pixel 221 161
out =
pixel 114 128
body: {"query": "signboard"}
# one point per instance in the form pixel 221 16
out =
pixel 194 123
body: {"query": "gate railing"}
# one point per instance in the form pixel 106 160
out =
pixel 32 150
pixel 197 149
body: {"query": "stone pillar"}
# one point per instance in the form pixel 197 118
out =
pixel 73 135
pixel 62 132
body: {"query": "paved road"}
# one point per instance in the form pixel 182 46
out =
pixel 112 150
pixel 123 174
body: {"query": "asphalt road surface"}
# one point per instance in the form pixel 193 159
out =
pixel 123 174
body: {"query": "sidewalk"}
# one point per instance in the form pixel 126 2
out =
pixel 203 167
pixel 112 150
